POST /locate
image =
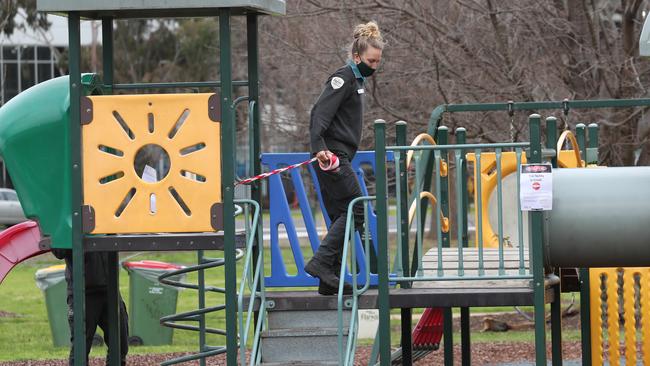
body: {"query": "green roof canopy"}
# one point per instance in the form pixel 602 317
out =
pixel 96 9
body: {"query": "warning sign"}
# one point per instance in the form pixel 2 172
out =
pixel 536 187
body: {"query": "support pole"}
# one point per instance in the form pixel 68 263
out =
pixel 583 273
pixel 591 155
pixel 466 345
pixel 461 174
pixel 254 130
pixel 556 305
pixel 536 224
pixel 74 132
pixel 581 137
pixel 448 334
pixel 113 291
pixel 228 177
pixel 585 285
pixel 406 313
pixel 448 323
pixel 382 235
pixel 585 316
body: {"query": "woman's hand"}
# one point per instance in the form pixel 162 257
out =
pixel 324 156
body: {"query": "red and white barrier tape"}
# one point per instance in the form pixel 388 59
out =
pixel 334 164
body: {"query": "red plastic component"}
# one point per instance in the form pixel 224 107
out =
pixel 145 264
pixel 18 243
pixel 428 331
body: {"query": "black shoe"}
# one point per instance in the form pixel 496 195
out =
pixel 323 289
pixel 317 269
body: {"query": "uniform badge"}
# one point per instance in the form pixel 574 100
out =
pixel 337 82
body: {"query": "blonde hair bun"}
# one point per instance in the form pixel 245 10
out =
pixel 367 30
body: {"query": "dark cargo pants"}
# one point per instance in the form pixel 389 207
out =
pixel 97 315
pixel 338 189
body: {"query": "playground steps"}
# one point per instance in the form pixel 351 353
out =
pixel 302 337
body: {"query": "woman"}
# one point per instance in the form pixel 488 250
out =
pixel 335 129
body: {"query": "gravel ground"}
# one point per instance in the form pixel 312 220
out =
pixel 491 354
pixel 483 354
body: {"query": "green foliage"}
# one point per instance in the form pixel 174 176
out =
pixel 8 16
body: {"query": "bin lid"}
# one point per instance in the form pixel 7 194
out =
pixel 51 269
pixel 155 265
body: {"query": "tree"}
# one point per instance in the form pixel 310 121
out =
pixel 468 51
pixel 9 9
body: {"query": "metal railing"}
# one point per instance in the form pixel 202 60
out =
pixel 179 320
pixel 429 169
pixel 352 303
pixel 252 276
pixel 456 153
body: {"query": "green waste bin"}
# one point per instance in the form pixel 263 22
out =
pixel 52 281
pixel 149 300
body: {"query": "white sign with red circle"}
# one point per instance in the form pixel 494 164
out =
pixel 536 187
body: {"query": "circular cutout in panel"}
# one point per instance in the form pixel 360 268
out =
pixel 152 163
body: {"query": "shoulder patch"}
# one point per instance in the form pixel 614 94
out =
pixel 337 82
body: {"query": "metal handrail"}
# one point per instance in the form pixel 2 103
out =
pixel 253 280
pixel 347 358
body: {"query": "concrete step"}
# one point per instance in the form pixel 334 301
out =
pixel 307 345
pixel 306 319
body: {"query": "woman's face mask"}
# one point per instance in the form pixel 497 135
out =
pixel 370 61
pixel 365 69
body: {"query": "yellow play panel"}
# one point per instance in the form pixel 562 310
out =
pixel 173 140
pixel 620 325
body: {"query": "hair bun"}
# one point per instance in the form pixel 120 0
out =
pixel 367 30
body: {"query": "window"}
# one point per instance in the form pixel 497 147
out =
pixel 24 66
pixel 10 196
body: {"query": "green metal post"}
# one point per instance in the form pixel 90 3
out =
pixel 228 177
pixel 585 286
pixel 400 134
pixel 254 129
pixel 201 300
pixel 556 307
pixel 461 138
pixel 382 237
pixel 107 51
pixel 113 298
pixel 585 318
pixel 551 137
pixel 406 314
pixel 591 156
pixel 536 225
pixel 448 334
pixel 581 137
pixel 74 133
pixel 461 197
pixel 448 330
pixel 465 342
pixel 443 139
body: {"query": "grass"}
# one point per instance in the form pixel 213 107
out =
pixel 27 336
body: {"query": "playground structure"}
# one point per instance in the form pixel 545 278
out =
pixel 86 206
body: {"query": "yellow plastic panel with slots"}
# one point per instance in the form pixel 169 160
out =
pixel 151 163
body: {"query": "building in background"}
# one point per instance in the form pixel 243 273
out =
pixel 29 57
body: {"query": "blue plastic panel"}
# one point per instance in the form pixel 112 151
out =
pixel 280 214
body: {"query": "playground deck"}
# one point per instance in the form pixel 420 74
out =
pixel 473 265
pixel 438 293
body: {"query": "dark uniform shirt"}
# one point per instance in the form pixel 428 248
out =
pixel 95 270
pixel 337 117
